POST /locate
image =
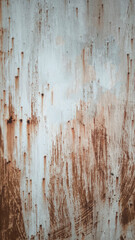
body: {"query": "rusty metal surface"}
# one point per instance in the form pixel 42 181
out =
pixel 67 119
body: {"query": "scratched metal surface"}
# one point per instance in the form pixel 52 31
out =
pixel 67 119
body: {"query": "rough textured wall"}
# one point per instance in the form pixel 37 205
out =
pixel 67 119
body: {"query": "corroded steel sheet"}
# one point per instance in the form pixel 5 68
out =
pixel 67 119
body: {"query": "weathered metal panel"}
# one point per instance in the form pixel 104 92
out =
pixel 67 119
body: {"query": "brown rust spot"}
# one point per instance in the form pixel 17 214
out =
pixel 121 237
pixel 10 120
pixel 28 121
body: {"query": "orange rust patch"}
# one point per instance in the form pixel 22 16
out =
pixel 80 138
pixel 127 173
pixel 11 218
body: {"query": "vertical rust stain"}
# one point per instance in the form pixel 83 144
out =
pixel 12 42
pixel 52 97
pixel 128 62
pixel 91 49
pixel 47 15
pixel 77 12
pixel 44 165
pixel 10 130
pixel 43 189
pixel 107 48
pixel 29 138
pixel 83 64
pixel 132 42
pixel 22 57
pixel 16 83
pixel 42 102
